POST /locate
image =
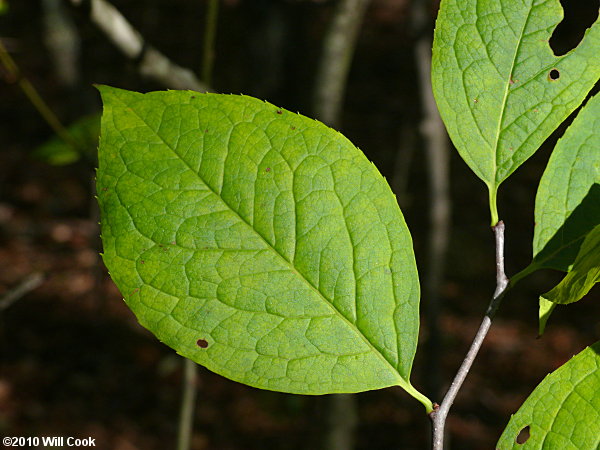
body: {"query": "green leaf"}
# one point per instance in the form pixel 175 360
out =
pixel 545 311
pixel 567 204
pixel 257 242
pixel 500 89
pixel 568 199
pixel 563 412
pixel 84 131
pixel 584 274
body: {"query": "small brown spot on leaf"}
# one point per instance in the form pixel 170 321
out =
pixel 511 81
pixel 193 96
pixel 475 100
pixel 293 128
pixel 135 291
pixel 279 111
pixel 554 75
pixel 104 189
pixel 202 343
pixel 268 169
pixel 523 436
pixel 142 261
pixel 206 131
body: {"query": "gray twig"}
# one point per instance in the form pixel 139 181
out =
pixel 152 63
pixel 440 413
pixel 188 403
pixel 343 418
pixel 28 284
pixel 338 49
pixel 63 41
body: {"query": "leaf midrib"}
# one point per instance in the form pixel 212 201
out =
pixel 505 98
pixel 403 382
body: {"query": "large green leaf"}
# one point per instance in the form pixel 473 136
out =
pixel 584 273
pixel 257 242
pixel 563 412
pixel 567 204
pixel 499 87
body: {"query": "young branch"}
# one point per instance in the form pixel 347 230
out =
pixel 34 97
pixel 188 403
pixel 62 41
pixel 210 31
pixel 30 283
pixel 338 48
pixel 439 415
pixel 152 63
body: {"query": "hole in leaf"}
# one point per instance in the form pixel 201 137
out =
pixel 579 16
pixel 554 75
pixel 523 435
pixel 202 343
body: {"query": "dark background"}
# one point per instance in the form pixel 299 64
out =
pixel 74 361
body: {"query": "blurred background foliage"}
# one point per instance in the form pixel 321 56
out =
pixel 74 361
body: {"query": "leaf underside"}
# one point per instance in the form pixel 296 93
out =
pixel 257 242
pixel 500 89
pixel 563 412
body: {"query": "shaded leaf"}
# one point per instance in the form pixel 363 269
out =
pixel 567 204
pixel 563 412
pixel 257 242
pixel 584 274
pixel 84 131
pixel 500 89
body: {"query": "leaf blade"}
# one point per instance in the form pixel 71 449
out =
pixel 566 205
pixel 277 224
pixel 563 410
pixel 584 274
pixel 491 77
